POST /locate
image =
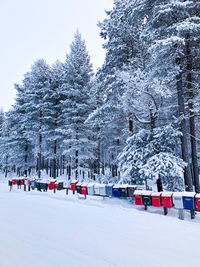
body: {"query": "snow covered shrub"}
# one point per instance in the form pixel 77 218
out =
pixel 150 154
pixel 167 167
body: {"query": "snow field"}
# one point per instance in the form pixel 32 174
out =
pixel 55 230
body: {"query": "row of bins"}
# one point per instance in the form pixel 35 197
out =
pixel 42 185
pixel 110 190
pixel 178 200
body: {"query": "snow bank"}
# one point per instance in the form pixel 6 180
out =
pixel 58 230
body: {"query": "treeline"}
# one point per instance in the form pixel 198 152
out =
pixel 135 119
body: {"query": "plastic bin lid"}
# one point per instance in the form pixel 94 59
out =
pixel 131 185
pixel 189 194
pixel 90 184
pixel 53 180
pixel 146 193
pixel 138 192
pixel 96 185
pixel 167 194
pixel 177 194
pixel 156 194
pixel 123 185
pixel 74 181
pixel 43 181
pixel 102 185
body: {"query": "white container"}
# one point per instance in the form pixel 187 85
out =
pixel 97 189
pixel 102 189
pixel 178 200
pixel 66 184
pixel 90 188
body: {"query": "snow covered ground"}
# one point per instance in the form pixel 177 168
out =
pixel 54 230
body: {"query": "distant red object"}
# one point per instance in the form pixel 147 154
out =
pixel 21 181
pixel 138 199
pixel 14 181
pixel 84 190
pixel 198 201
pixel 51 185
pixel 73 185
pixel 156 200
pixel 167 201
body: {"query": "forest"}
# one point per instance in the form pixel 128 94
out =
pixel 137 118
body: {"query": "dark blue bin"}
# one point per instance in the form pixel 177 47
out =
pixel 189 200
pixel 116 191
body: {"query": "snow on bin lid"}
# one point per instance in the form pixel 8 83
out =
pixel 84 184
pixel 97 185
pixel 74 181
pixel 79 183
pixel 156 194
pixel 189 194
pixel 131 185
pixel 123 185
pixel 177 194
pixel 43 181
pixel 197 196
pixel 138 192
pixel 53 180
pixel 167 194
pixel 110 184
pixel 146 192
pixel 90 184
pixel 116 186
pixel 102 185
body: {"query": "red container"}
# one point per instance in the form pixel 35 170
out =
pixel 138 197
pixel 84 190
pixel 21 181
pixel 73 185
pixel 51 185
pixel 167 200
pixel 198 201
pixel 14 181
pixel 156 199
pixel 57 186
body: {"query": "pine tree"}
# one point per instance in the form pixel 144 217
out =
pixel 75 106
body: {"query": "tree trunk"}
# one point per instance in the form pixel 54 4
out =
pixel 195 167
pixel 26 158
pixel 184 143
pixel 130 121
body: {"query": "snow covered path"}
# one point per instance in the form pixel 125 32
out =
pixel 54 230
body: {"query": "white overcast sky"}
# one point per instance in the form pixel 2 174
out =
pixel 33 29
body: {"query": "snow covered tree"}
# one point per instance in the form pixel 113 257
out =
pixel 147 146
pixel 173 31
pixel 51 120
pixel 75 106
pixel 168 167
pixel 36 84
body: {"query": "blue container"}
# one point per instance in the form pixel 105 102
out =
pixel 116 191
pixel 189 202
pixel 109 190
